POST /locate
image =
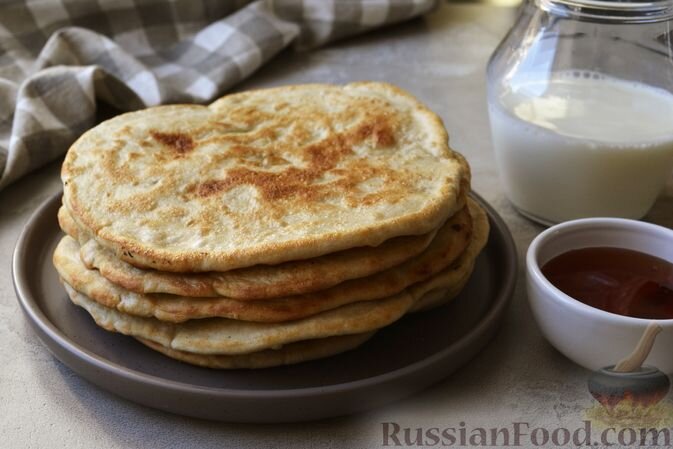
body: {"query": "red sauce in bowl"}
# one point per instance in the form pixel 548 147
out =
pixel 616 280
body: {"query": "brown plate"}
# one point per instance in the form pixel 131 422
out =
pixel 404 358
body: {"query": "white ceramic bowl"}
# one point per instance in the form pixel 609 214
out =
pixel 591 337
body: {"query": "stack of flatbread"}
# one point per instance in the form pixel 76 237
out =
pixel 271 227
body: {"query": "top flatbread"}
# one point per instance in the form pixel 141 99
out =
pixel 263 177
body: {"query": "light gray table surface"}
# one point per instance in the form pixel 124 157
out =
pixel 519 377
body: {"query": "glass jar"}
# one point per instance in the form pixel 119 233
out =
pixel 580 97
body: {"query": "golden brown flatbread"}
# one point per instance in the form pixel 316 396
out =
pixel 263 177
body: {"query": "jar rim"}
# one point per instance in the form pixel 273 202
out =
pixel 610 11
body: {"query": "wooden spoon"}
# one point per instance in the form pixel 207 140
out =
pixel 633 361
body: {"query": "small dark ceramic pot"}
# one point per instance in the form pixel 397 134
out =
pixel 639 389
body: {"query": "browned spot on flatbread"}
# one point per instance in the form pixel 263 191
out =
pixel 290 182
pixel 208 188
pixel 178 142
pixel 379 129
pixel 320 158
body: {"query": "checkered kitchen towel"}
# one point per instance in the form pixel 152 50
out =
pixel 59 57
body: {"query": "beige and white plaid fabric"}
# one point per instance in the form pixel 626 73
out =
pixel 60 58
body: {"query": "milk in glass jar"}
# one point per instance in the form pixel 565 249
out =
pixel 580 98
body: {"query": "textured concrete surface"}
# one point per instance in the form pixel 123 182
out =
pixel 518 378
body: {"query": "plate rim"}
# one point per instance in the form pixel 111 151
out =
pixel 34 313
